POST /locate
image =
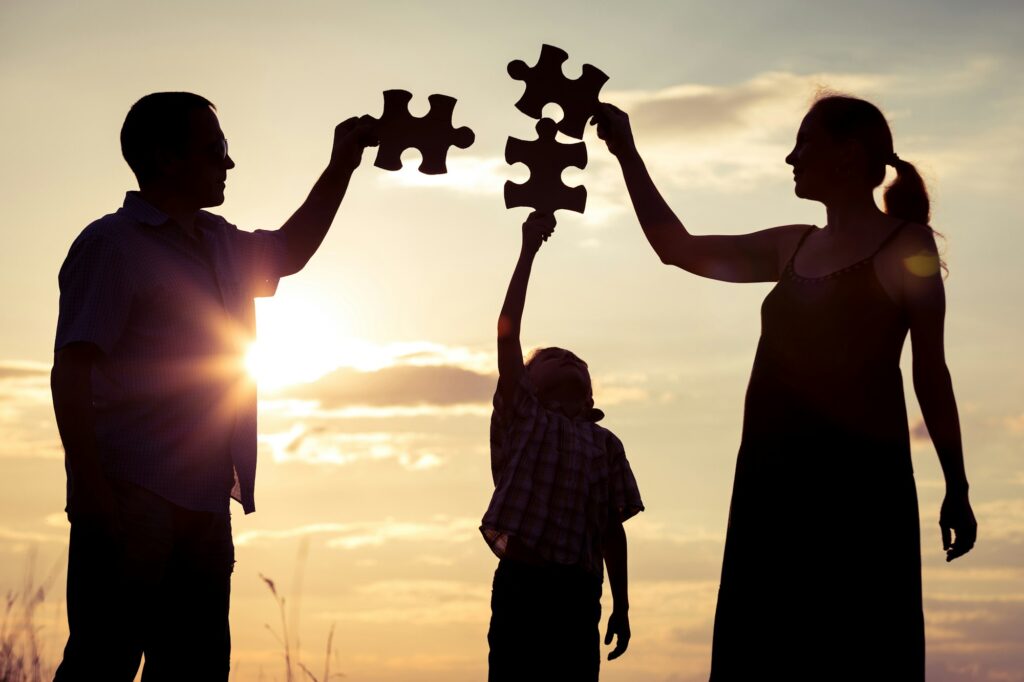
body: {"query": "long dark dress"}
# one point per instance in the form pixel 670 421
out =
pixel 821 578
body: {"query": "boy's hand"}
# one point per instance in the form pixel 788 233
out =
pixel 351 137
pixel 618 624
pixel 536 230
pixel 613 127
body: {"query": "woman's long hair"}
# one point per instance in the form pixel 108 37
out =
pixel 850 118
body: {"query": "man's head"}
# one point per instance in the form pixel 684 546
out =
pixel 173 143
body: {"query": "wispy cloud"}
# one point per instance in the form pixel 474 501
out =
pixel 320 444
pixel 439 529
pixel 421 602
pixel 15 369
pixel 397 385
pixel 27 426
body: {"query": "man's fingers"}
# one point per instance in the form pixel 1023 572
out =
pixel 947 536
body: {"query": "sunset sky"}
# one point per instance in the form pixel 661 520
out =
pixel 377 360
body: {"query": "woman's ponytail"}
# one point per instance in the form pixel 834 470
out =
pixel 906 197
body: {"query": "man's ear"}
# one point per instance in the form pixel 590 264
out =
pixel 165 162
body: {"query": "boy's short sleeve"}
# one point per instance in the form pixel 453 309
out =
pixel 623 493
pixel 96 292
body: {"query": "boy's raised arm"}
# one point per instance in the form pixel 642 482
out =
pixel 537 228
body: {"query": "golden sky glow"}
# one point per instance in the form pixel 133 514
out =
pixel 377 361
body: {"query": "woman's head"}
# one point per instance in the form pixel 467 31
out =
pixel 843 146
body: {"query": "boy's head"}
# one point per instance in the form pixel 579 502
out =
pixel 561 375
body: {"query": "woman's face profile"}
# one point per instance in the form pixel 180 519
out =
pixel 815 160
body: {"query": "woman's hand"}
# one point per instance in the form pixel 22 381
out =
pixel 959 528
pixel 613 127
pixel 536 230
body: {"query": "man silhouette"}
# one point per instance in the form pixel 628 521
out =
pixel 154 408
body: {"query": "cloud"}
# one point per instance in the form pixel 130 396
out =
pixel 975 638
pixel 475 174
pixel 319 444
pixel 1014 425
pixel 419 602
pixel 13 369
pixel 27 426
pixel 396 385
pixel 440 529
pixel 919 432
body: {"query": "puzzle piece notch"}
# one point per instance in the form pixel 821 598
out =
pixel 546 158
pixel 432 134
pixel 545 82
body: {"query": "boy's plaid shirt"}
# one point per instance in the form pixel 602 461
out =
pixel 556 482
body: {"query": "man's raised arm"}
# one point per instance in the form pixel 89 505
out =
pixel 308 226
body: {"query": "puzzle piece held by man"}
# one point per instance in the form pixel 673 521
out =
pixel 432 134
pixel 546 158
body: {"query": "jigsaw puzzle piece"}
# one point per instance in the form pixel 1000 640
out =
pixel 432 134
pixel 546 158
pixel 545 82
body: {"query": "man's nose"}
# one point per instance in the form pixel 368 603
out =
pixel 229 163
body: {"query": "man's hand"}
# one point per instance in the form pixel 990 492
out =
pixel 351 137
pixel 618 624
pixel 536 230
pixel 93 504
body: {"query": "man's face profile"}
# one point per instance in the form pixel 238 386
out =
pixel 199 173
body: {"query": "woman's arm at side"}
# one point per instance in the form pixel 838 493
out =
pixel 754 257
pixel 925 301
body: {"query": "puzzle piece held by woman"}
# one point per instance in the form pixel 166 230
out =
pixel 432 134
pixel 546 159
pixel 546 83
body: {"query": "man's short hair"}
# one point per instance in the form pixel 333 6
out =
pixel 157 122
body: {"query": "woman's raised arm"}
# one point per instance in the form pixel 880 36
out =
pixel 754 257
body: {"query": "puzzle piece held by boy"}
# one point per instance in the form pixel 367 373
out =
pixel 546 83
pixel 546 158
pixel 432 134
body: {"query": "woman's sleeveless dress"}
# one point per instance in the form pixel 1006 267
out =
pixel 821 578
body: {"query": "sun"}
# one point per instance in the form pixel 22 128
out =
pixel 296 342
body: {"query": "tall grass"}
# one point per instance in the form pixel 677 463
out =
pixel 23 655
pixel 288 637
pixel 26 654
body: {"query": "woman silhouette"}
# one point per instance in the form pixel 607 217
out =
pixel 821 577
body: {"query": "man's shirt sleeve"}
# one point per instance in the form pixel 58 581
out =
pixel 96 293
pixel 261 258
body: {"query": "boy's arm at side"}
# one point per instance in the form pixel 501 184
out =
pixel 615 560
pixel 537 228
